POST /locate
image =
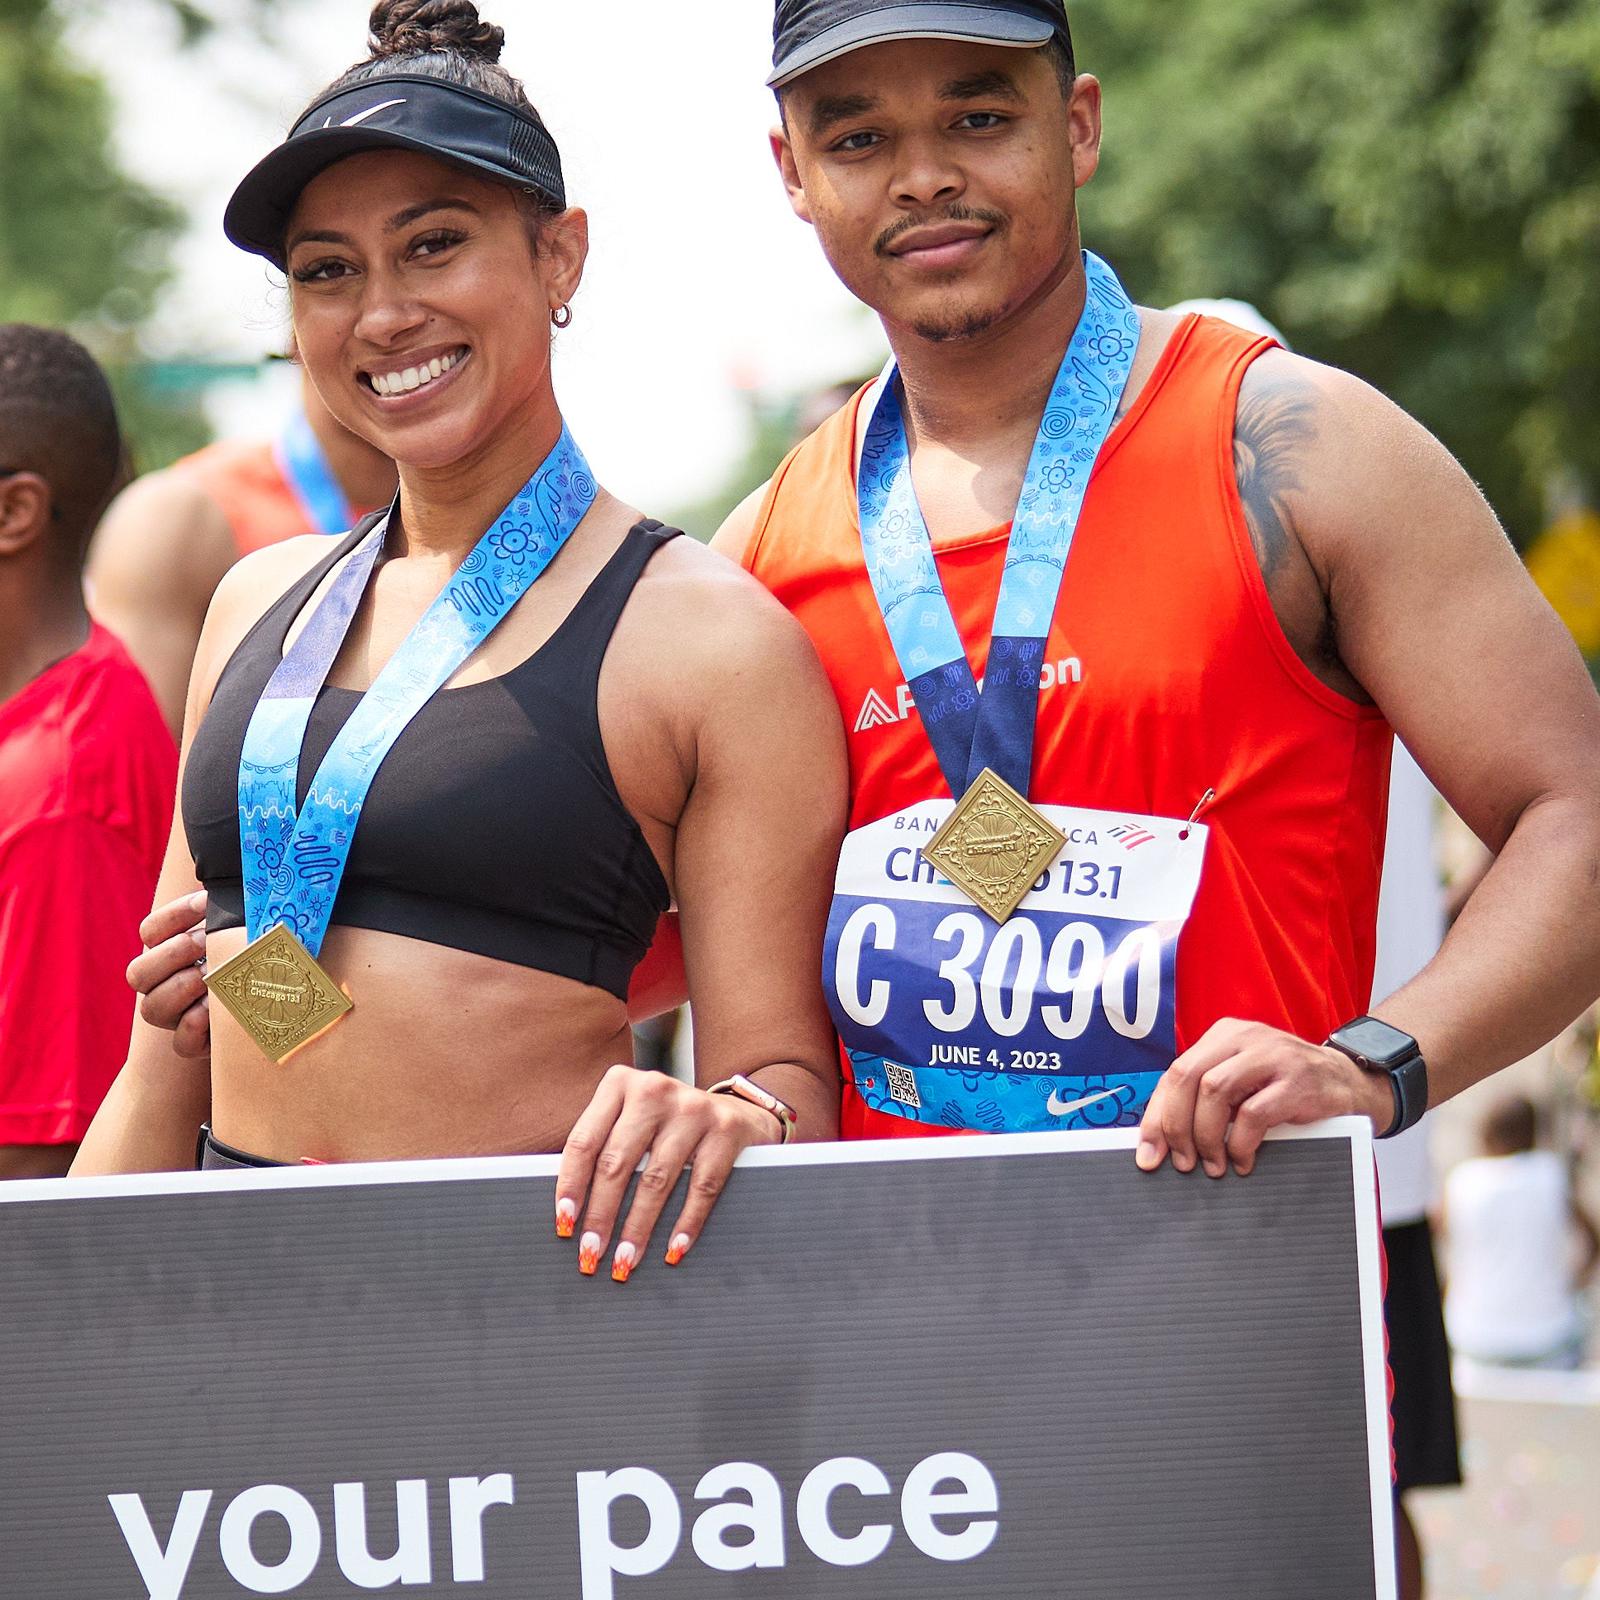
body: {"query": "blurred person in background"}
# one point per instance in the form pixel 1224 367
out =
pixel 1519 1249
pixel 86 764
pixel 166 541
pixel 499 706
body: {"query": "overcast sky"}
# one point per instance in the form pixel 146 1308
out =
pixel 700 278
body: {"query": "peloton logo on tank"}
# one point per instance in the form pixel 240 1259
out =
pixel 631 1523
pixel 879 711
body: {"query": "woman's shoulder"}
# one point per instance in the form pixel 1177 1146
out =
pixel 718 606
pixel 715 637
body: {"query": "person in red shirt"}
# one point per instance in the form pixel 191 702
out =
pixel 87 767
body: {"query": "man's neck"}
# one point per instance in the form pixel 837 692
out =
pixel 42 621
pixel 984 395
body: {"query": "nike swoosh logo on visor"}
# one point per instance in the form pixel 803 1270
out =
pixel 1064 1108
pixel 371 111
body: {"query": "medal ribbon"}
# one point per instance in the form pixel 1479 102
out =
pixel 295 858
pixel 968 728
pixel 305 469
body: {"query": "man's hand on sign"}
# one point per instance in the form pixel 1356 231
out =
pixel 170 978
pixel 634 1114
pixel 1223 1095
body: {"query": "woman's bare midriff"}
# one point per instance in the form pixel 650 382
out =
pixel 445 1054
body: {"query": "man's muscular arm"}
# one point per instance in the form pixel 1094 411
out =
pixel 1272 430
pixel 158 555
pixel 1275 433
pixel 1425 608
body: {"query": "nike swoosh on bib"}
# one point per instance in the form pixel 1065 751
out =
pixel 1064 1108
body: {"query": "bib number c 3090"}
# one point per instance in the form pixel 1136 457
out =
pixel 948 1016
pixel 997 979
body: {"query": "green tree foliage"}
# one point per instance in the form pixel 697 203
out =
pixel 1410 188
pixel 83 243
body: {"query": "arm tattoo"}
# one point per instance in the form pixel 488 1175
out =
pixel 1273 425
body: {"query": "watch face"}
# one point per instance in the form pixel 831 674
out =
pixel 1376 1041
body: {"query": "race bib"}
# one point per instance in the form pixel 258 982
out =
pixel 1062 1017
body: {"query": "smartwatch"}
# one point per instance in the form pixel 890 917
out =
pixel 1375 1046
pixel 742 1088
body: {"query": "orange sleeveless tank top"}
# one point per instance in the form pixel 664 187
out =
pixel 1167 678
pixel 249 486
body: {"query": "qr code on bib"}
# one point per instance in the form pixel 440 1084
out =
pixel 903 1086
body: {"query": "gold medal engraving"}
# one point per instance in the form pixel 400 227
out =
pixel 278 993
pixel 994 845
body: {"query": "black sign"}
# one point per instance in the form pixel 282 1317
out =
pixel 940 1368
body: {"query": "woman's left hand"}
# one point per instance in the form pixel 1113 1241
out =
pixel 635 1113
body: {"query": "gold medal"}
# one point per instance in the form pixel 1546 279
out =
pixel 994 845
pixel 278 993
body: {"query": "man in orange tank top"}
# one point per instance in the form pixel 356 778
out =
pixel 1271 567
pixel 163 546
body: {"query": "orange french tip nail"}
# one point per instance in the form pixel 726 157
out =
pixel 589 1262
pixel 564 1227
pixel 675 1255
pixel 621 1271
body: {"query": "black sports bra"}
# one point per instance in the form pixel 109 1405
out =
pixel 494 824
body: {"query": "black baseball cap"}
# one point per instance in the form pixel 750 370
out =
pixel 805 33
pixel 401 111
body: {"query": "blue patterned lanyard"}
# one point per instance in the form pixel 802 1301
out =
pixel 968 728
pixel 293 862
pixel 305 469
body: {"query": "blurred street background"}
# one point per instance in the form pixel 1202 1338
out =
pixel 1408 188
pixel 1526 1525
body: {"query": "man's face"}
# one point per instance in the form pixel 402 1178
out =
pixel 940 177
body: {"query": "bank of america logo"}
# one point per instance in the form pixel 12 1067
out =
pixel 876 712
pixel 1130 835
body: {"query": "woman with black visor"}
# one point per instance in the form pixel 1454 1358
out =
pixel 441 782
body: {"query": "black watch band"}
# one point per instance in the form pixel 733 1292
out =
pixel 1377 1046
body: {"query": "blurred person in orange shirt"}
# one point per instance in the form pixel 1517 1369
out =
pixel 168 538
pixel 87 767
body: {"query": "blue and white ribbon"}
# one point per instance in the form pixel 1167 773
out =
pixel 968 728
pixel 294 858
pixel 305 469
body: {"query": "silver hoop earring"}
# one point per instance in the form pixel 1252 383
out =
pixel 561 316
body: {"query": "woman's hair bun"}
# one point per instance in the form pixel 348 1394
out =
pixel 432 27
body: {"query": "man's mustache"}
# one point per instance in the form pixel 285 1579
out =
pixel 956 213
